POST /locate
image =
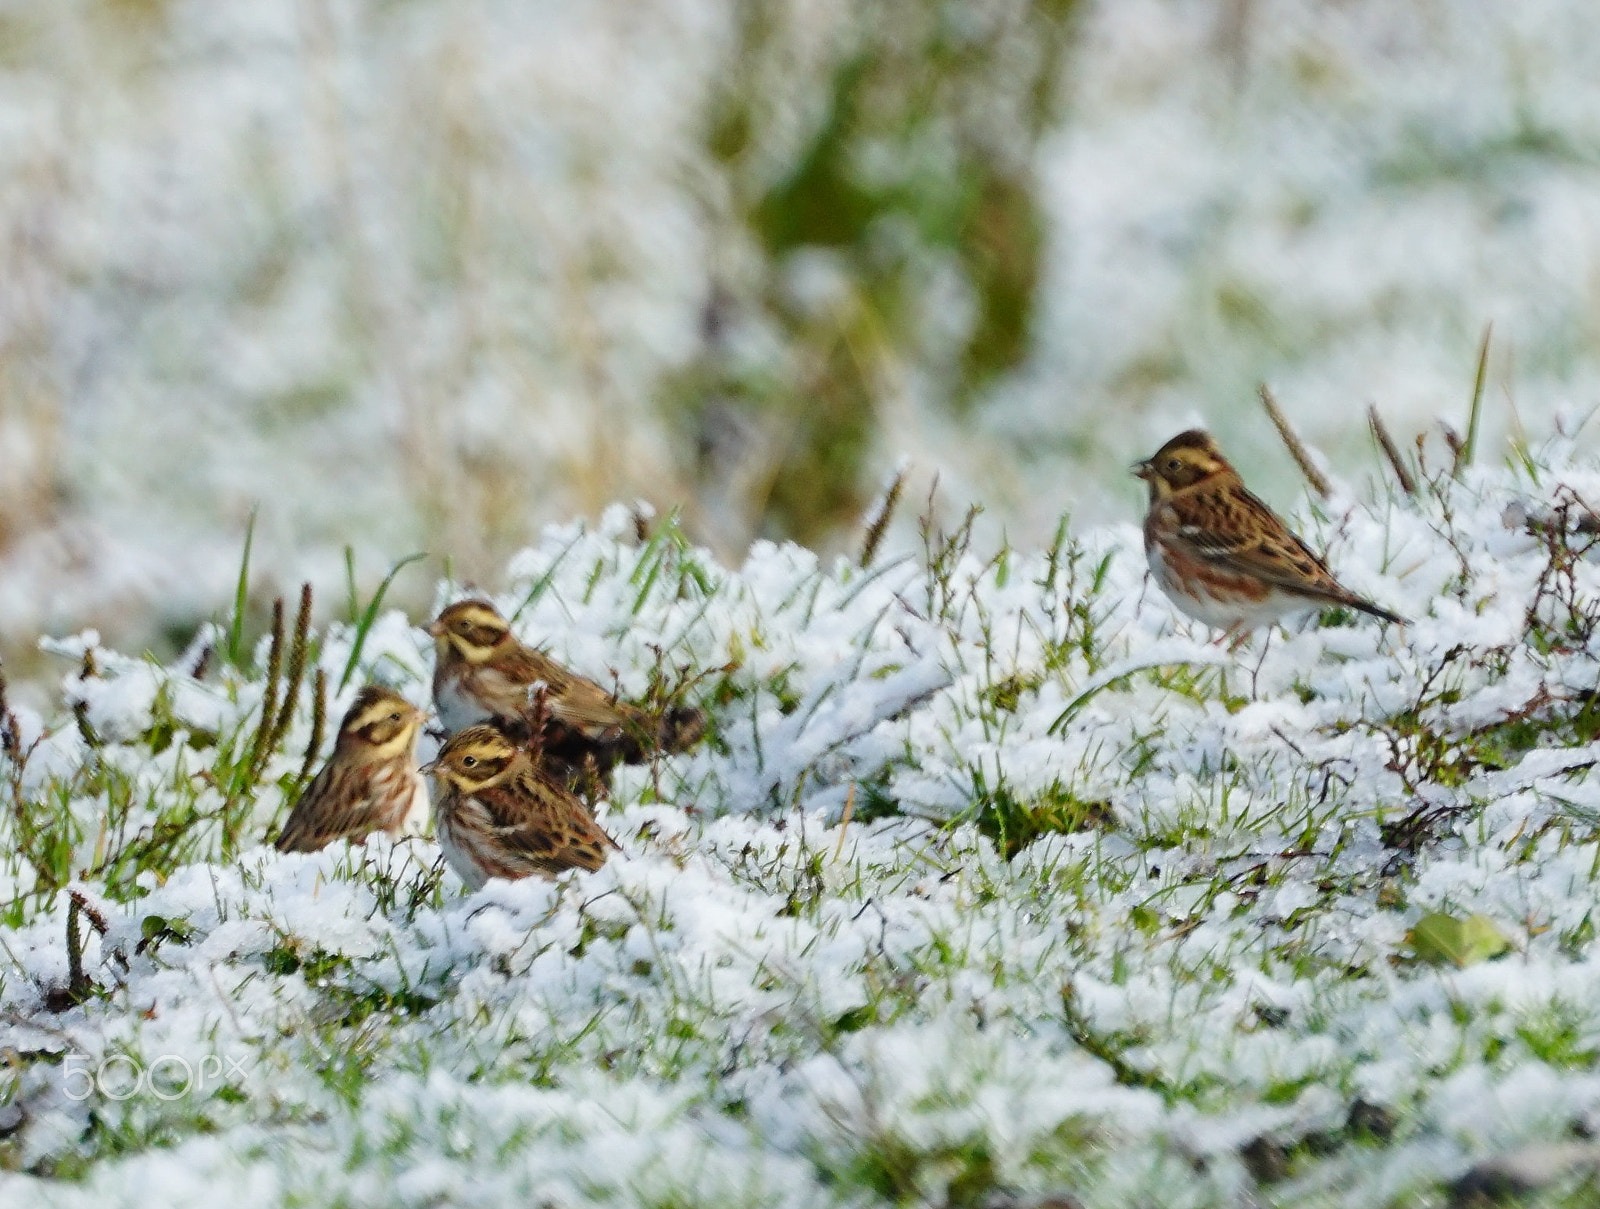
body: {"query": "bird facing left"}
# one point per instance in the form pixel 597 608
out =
pixel 1220 554
pixel 502 814
pixel 484 673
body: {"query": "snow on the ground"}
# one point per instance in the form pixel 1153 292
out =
pixel 1194 987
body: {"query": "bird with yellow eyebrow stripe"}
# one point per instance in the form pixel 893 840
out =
pixel 1220 554
pixel 502 815
pixel 483 673
pixel 371 781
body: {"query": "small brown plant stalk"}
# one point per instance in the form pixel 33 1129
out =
pixel 277 714
pixel 319 719
pixel 269 700
pixel 78 985
pixel 1457 447
pixel 844 821
pixel 881 516
pixel 1291 440
pixel 1391 451
pixel 10 732
pixel 80 709
pixel 299 645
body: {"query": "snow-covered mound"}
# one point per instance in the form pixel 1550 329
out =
pixel 995 882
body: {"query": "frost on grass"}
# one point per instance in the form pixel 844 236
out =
pixel 993 882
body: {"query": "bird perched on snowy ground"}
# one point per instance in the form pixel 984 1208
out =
pixel 483 673
pixel 371 781
pixel 1222 556
pixel 501 815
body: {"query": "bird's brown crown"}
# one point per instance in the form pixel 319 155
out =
pixel 380 719
pixel 471 628
pixel 1187 459
pixel 475 757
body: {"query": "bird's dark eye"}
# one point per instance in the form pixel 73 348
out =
pixel 468 761
pixel 394 717
pixel 1174 464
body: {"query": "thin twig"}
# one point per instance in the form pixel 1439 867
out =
pixel 1380 433
pixel 1296 450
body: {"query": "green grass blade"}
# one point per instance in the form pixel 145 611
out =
pixel 370 615
pixel 241 595
pixel 542 584
pixel 1120 672
pixel 1470 446
pixel 352 598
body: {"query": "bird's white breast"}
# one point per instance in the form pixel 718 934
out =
pixel 415 820
pixel 1224 611
pixel 457 856
pixel 457 708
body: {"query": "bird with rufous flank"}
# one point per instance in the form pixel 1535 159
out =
pixel 1221 555
pixel 483 672
pixel 371 781
pixel 501 815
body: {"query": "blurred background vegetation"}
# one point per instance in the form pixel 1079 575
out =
pixel 901 232
pixel 401 275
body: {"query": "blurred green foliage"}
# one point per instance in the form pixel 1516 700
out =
pixel 899 233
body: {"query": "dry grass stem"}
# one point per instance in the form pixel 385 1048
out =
pixel 1391 451
pixel 1297 450
pixel 844 821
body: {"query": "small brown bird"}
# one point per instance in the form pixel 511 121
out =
pixel 483 673
pixel 1220 554
pixel 501 815
pixel 371 781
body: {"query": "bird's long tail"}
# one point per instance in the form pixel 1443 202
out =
pixel 1366 606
